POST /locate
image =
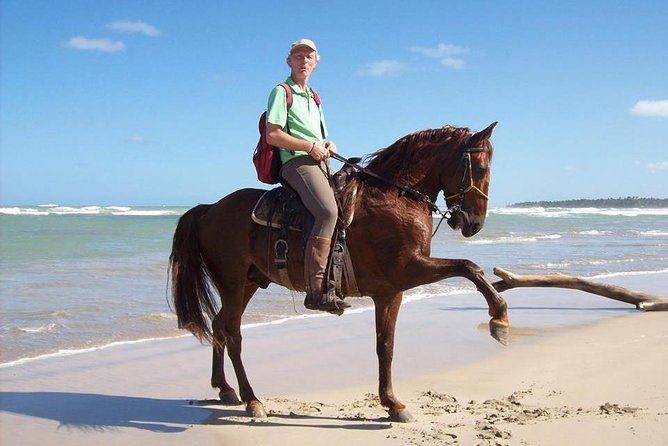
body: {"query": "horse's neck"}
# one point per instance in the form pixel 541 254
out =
pixel 423 180
pixel 367 192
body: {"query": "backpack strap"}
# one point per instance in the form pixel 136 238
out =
pixel 288 101
pixel 288 94
pixel 316 98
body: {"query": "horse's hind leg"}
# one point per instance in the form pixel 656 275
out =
pixel 226 393
pixel 230 324
pixel 223 338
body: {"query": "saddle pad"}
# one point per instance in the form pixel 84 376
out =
pixel 274 204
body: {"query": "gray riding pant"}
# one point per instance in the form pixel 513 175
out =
pixel 306 176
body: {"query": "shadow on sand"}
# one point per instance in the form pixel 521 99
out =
pixel 97 412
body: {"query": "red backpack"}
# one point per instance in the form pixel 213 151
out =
pixel 266 158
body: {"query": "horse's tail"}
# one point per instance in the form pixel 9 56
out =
pixel 194 301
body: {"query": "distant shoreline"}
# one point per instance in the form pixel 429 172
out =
pixel 628 202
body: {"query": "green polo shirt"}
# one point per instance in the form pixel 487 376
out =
pixel 303 118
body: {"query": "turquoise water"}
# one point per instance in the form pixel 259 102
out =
pixel 73 278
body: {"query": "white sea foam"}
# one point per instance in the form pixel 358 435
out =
pixel 518 211
pixel 557 212
pixel 583 262
pixel 651 233
pixel 118 208
pixel 513 239
pixel 593 232
pixel 147 213
pixel 22 211
pixel 632 273
pixel 55 209
pixel 70 352
pixel 67 210
pixel 40 329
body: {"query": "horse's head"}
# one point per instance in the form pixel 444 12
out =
pixel 449 159
pixel 466 189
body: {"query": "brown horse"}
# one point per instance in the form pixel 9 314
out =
pixel 389 242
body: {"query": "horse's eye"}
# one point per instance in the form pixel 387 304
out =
pixel 480 172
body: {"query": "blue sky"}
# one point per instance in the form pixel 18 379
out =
pixel 156 102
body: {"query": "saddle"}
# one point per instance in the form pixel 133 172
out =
pixel 281 206
pixel 282 209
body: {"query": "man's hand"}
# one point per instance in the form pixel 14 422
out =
pixel 330 146
pixel 321 151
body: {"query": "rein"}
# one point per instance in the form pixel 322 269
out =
pixel 406 190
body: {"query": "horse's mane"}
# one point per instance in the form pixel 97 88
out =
pixel 417 149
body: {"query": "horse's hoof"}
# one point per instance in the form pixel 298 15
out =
pixel 401 416
pixel 500 331
pixel 229 397
pixel 255 409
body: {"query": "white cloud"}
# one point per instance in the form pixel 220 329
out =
pixel 444 54
pixel 650 108
pixel 441 50
pixel 104 45
pixel 451 62
pixel 129 26
pixel 136 139
pixel 382 68
pixel 659 166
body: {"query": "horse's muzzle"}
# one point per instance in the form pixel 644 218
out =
pixel 462 221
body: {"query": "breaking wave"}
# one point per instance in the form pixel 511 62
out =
pixel 54 209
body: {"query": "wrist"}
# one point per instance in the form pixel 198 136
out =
pixel 311 149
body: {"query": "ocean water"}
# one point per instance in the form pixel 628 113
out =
pixel 78 278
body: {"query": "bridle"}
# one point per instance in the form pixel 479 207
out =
pixel 464 189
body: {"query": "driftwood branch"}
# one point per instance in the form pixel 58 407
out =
pixel 642 301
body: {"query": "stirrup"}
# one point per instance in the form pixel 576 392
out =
pixel 331 303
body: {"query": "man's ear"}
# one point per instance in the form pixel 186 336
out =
pixel 287 61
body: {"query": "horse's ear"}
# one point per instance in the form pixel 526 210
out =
pixel 482 135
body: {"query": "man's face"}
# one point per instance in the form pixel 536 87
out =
pixel 303 61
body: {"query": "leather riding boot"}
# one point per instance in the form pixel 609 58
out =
pixel 315 267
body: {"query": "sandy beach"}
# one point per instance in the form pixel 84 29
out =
pixel 579 369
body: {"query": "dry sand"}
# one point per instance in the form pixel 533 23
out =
pixel 601 382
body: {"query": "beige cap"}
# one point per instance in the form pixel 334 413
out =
pixel 303 42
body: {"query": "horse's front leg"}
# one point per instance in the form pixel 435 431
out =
pixel 387 310
pixel 425 270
